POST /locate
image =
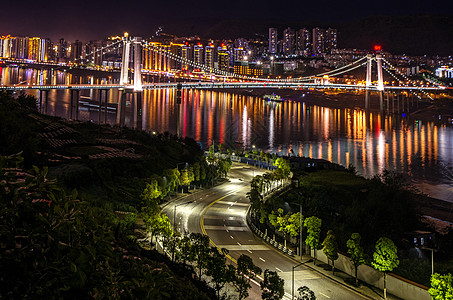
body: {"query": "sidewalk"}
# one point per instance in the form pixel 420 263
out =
pixel 346 280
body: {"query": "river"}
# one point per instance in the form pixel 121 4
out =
pixel 368 140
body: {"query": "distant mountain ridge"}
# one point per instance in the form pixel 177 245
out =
pixel 411 35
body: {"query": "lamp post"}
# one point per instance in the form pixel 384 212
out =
pixel 432 258
pixel 292 286
pixel 301 230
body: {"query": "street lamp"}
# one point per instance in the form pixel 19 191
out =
pixel 174 212
pixel 292 286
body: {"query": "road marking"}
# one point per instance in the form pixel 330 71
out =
pixel 226 230
pixel 249 251
pixel 278 269
pixel 231 237
pixel 324 295
pixel 262 259
pixel 203 230
pixel 239 244
pixel 231 228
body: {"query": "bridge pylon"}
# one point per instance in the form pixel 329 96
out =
pixel 380 84
pixel 134 45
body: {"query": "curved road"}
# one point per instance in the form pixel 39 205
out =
pixel 220 213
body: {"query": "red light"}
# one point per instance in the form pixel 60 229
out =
pixel 377 47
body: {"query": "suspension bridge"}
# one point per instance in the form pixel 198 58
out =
pixel 131 77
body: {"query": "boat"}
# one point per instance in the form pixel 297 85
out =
pixel 273 97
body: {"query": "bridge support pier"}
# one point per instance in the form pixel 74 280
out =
pixel 138 110
pixel 388 102
pixel 381 101
pixel 43 95
pixel 121 110
pixel 178 104
pixel 367 99
pixel 77 92
pixel 103 92
pixel 398 96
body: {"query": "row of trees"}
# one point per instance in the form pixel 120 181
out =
pixel 385 257
pixel 172 180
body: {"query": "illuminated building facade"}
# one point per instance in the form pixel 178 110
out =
pixel 289 42
pixel 273 40
pixel 209 56
pixel 303 42
pixel 331 40
pixel 223 58
pixel 318 41
pixel 239 54
pixel 198 54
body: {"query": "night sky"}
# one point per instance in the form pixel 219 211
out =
pixel 86 20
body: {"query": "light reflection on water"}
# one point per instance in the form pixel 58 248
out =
pixel 369 141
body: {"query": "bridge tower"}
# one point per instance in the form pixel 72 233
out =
pixel 128 42
pixel 124 77
pixel 380 85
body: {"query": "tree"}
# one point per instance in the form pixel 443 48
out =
pixel 152 191
pixel 385 258
pixel 191 175
pixel 293 225
pixel 172 176
pixel 255 200
pixel 356 252
pixel 283 165
pixel 245 271
pixel 305 293
pixel 196 171
pixel 272 286
pixel 200 243
pixel 218 269
pixel 184 178
pixel 330 248
pixel 156 222
pixel 441 287
pixel 313 225
pixel 186 250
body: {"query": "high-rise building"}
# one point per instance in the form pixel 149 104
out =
pixel 330 40
pixel 223 58
pixel 318 41
pixel 76 52
pixel 185 55
pixel 4 46
pixel 198 54
pixel 19 47
pixel 45 53
pixel 273 40
pixel 62 50
pixel 289 42
pixel 303 42
pixel 209 56
pixel 34 48
pixel 239 54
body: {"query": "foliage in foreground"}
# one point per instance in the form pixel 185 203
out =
pixel 441 287
pixel 55 245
